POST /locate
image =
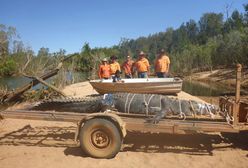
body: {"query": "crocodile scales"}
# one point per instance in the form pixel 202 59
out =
pixel 147 104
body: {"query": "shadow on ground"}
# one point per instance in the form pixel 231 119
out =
pixel 194 144
pixel 43 136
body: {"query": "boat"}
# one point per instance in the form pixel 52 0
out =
pixel 138 85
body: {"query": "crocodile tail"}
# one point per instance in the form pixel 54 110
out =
pixel 88 104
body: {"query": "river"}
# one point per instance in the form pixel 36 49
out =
pixel 208 89
pixel 14 82
pixel 191 87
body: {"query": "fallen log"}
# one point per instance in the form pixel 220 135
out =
pixel 50 86
pixel 11 96
pixel 19 91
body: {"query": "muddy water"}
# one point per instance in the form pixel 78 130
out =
pixel 206 89
pixel 19 81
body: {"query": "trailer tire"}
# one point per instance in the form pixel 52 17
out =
pixel 100 138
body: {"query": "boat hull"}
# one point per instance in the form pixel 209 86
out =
pixel 137 85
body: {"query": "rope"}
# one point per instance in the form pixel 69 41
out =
pixel 126 102
pixel 104 96
pixel 147 107
pixel 192 107
pixel 160 102
pixel 130 103
pixel 200 107
pixel 210 112
pixel 229 118
pixel 181 114
pixel 146 104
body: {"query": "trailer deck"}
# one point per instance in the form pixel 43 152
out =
pixel 132 123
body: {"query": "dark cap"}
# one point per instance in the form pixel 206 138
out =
pixel 113 57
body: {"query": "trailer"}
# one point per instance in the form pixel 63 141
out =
pixel 101 134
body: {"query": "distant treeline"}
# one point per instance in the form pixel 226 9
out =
pixel 196 45
pixel 201 45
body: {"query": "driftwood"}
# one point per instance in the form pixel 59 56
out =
pixel 50 86
pixel 11 96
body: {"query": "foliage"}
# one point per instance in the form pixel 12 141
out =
pixel 8 67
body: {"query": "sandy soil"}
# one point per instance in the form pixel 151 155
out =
pixel 29 144
pixel 79 89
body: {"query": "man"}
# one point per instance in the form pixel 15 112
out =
pixel 104 70
pixel 127 67
pixel 117 77
pixel 162 65
pixel 142 66
pixel 114 65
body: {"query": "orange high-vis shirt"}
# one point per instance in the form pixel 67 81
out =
pixel 127 67
pixel 142 65
pixel 114 67
pixel 161 64
pixel 104 71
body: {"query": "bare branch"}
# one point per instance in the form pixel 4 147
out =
pixel 227 9
pixel 29 58
pixel 50 86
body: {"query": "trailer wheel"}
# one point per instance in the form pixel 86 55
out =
pixel 100 138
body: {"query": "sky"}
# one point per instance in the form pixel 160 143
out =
pixel 68 24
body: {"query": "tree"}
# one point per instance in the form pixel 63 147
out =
pixel 245 46
pixel 86 58
pixel 246 14
pixel 211 24
pixel 7 64
pixel 43 52
pixel 7 35
pixel 180 38
pixel 23 57
pixel 235 22
pixel 192 31
pixel 18 46
pixel 231 49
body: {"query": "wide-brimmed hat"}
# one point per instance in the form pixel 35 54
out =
pixel 104 60
pixel 142 53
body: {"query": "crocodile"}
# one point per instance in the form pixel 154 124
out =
pixel 159 106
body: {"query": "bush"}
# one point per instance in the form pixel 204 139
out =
pixel 8 67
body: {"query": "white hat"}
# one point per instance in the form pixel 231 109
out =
pixel 104 60
pixel 141 53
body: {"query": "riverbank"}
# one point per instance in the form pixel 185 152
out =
pixel 222 76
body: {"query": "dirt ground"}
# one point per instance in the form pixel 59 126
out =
pixel 29 144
